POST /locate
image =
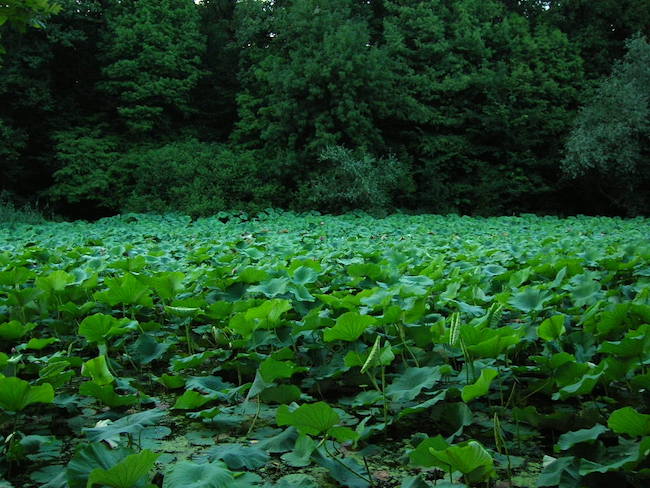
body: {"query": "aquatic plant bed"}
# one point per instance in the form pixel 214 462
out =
pixel 310 351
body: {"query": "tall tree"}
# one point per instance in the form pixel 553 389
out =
pixel 310 78
pixel 46 83
pixel 600 28
pixel 152 61
pixel 610 142
pixel 486 101
pixel 214 97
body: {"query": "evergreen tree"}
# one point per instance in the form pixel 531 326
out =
pixel 486 100
pixel 152 53
pixel 311 78
pixel 214 98
pixel 46 83
pixel 599 28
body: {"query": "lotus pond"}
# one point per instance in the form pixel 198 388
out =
pixel 307 351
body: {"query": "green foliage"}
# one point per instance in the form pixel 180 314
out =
pixel 126 473
pixel 569 439
pixel 195 178
pixel 151 51
pixel 348 180
pixel 470 458
pixel 90 457
pixel 311 78
pixel 10 214
pixel 348 327
pixel 628 421
pixel 482 97
pixel 599 29
pixel 480 387
pixel 552 328
pixel 437 105
pixel 313 419
pixel 22 13
pixel 16 394
pixel 611 135
pixel 88 167
pixel 26 13
pixel 191 475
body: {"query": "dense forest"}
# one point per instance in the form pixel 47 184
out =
pixel 473 106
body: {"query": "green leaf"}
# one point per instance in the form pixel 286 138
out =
pixel 498 341
pixel 417 482
pixel 470 458
pixel 271 288
pixel 237 456
pixel 552 328
pixel 167 284
pixel 411 382
pixel 270 369
pixel 131 424
pixel 98 370
pixel 265 316
pixel 90 457
pixel 187 474
pixel 304 275
pixel 191 400
pixel 40 344
pixel 570 439
pixel 10 331
pixel 300 456
pixel 345 471
pixel 171 382
pixel 628 421
pixel 54 282
pixel 583 386
pixel 147 349
pixel 627 455
pixel 530 299
pixel 251 274
pixel 282 442
pixel 183 312
pixel 349 327
pixel 313 419
pixel 106 394
pixel 283 394
pixel 586 290
pixel 480 387
pixel 297 481
pixel 16 394
pixel 343 434
pixel 126 290
pixel 99 327
pixel 301 293
pixel 560 471
pixel 125 474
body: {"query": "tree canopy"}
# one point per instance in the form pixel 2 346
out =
pixel 469 106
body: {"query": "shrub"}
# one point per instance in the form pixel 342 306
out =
pixel 10 214
pixel 354 180
pixel 195 178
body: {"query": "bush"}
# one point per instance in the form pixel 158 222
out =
pixel 354 180
pixel 186 176
pixel 10 214
pixel 195 178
